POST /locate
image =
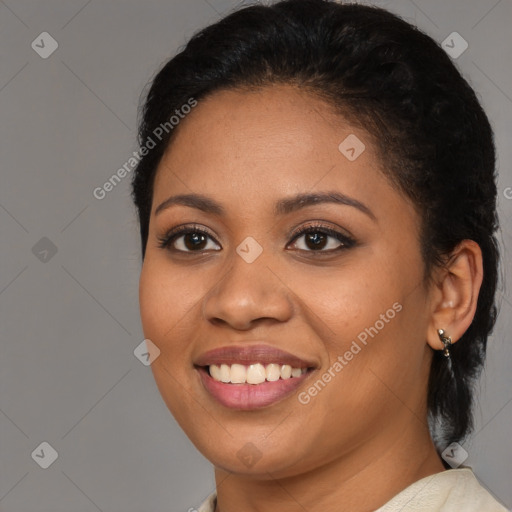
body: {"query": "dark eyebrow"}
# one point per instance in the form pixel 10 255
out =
pixel 198 201
pixel 282 207
pixel 294 203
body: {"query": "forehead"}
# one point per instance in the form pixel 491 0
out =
pixel 251 147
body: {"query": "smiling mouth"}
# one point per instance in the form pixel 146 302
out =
pixel 251 376
pixel 249 387
pixel 256 373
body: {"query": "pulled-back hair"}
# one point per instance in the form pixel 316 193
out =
pixel 386 76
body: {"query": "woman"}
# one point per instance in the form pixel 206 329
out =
pixel 317 211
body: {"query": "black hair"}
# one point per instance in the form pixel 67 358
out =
pixel 387 76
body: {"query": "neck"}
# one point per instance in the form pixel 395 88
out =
pixel 358 481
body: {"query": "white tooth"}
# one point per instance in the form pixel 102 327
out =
pixel 273 372
pixel 256 374
pixel 215 372
pixel 238 373
pixel 286 371
pixel 296 372
pixel 225 373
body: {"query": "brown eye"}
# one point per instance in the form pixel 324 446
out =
pixel 316 240
pixel 188 240
pixel 321 239
pixel 195 241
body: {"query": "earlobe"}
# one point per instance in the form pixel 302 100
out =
pixel 455 296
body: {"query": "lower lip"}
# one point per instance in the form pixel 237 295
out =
pixel 250 396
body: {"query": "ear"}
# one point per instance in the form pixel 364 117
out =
pixel 454 293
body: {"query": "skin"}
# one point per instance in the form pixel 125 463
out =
pixel 247 150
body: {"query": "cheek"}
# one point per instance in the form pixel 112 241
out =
pixel 166 299
pixel 152 301
pixel 367 312
pixel 359 311
pixel 163 311
pixel 348 299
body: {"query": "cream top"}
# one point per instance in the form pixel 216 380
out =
pixel 453 490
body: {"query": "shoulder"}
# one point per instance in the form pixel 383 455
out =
pixel 453 490
pixel 208 504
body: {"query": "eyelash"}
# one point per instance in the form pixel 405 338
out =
pixel 347 242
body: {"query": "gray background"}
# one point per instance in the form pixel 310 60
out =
pixel 70 323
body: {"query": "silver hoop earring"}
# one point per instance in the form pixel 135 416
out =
pixel 447 342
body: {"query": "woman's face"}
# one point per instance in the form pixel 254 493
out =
pixel 344 302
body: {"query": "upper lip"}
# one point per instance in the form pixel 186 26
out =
pixel 251 354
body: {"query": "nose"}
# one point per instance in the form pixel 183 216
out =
pixel 247 294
